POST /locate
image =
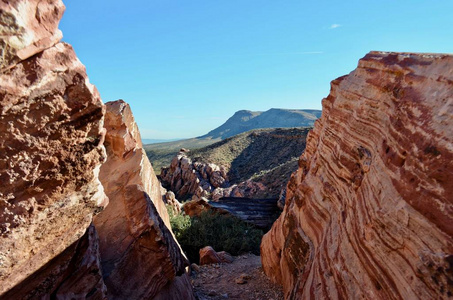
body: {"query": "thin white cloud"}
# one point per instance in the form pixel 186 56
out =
pixel 333 26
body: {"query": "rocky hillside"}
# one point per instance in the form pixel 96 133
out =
pixel 255 164
pixel 161 154
pixel 369 213
pixel 58 162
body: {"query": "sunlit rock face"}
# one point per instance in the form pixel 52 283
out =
pixel 27 28
pixel 140 256
pixel 51 135
pixel 369 213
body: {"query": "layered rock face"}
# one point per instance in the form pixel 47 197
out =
pixel 139 254
pixel 51 142
pixel 369 213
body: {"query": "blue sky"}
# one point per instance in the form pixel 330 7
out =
pixel 186 66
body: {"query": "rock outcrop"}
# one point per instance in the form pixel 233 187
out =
pixel 138 251
pixel 187 178
pixel 255 164
pixel 73 274
pixel 369 213
pixel 28 29
pixel 51 151
pixel 51 142
pixel 260 212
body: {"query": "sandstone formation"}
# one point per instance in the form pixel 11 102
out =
pixel 195 207
pixel 27 29
pixel 369 213
pixel 260 212
pixel 139 254
pixel 51 151
pixel 255 164
pixel 51 142
pixel 73 274
pixel 170 200
pixel 209 256
pixel 186 178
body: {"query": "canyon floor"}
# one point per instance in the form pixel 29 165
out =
pixel 242 279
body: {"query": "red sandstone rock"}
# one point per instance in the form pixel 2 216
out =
pixel 140 256
pixel 51 150
pixel 73 274
pixel 27 28
pixel 369 213
pixel 209 256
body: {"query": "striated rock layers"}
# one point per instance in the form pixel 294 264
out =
pixel 369 213
pixel 138 251
pixel 51 136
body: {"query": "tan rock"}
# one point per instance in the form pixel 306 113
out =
pixel 170 199
pixel 27 28
pixel 51 136
pixel 243 278
pixel 196 207
pixel 140 256
pixel 368 215
pixel 225 257
pixel 209 256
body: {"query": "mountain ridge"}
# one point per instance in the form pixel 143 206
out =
pixel 245 120
pixel 161 154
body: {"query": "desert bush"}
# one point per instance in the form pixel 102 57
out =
pixel 222 232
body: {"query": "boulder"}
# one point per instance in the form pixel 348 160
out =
pixel 170 199
pixel 369 213
pixel 28 28
pixel 51 149
pixel 209 256
pixel 139 254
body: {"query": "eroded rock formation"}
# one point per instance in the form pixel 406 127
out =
pixel 51 151
pixel 255 164
pixel 369 213
pixel 27 29
pixel 51 135
pixel 139 253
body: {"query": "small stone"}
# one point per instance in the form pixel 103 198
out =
pixel 195 268
pixel 240 280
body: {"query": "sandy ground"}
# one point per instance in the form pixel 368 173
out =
pixel 242 279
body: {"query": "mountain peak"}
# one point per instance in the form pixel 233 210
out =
pixel 245 120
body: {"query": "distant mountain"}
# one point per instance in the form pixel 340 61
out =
pixel 245 120
pixel 156 141
pixel 160 154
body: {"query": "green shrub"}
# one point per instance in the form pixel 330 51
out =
pixel 222 232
